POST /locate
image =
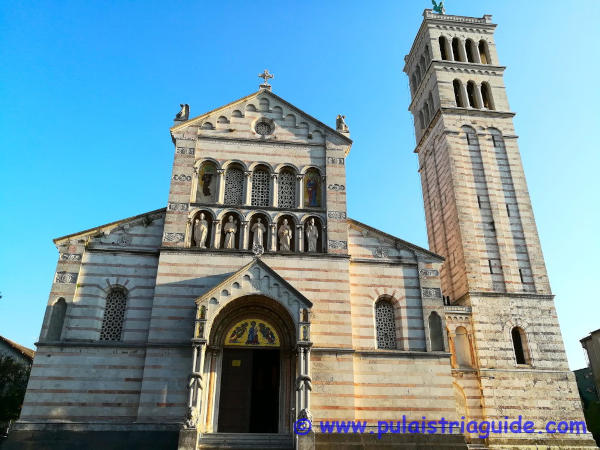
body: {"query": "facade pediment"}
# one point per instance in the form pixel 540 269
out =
pixel 263 116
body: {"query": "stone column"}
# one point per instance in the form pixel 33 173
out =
pixel 299 238
pixel 478 96
pixel 300 190
pixel 216 234
pixel 247 188
pixel 274 189
pixel 273 237
pixel 220 186
pixel 464 95
pixel 324 191
pixel 244 235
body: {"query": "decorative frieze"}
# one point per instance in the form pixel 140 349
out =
pixel 182 177
pixel 185 151
pixel 173 237
pixel 331 160
pixel 336 215
pixel 431 292
pixel 70 257
pixel 178 207
pixel 429 273
pixel 336 187
pixel 381 252
pixel 337 245
pixel 65 277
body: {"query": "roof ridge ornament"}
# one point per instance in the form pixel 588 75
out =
pixel 439 8
pixel 266 76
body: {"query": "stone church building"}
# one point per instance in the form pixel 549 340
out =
pixel 252 300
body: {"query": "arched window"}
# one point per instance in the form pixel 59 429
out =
pixel 444 48
pixel 431 105
pixel 519 346
pixel 436 336
pixel 414 83
pixel 57 318
pixel 206 191
pixel 456 49
pixel 484 54
pixel 470 47
pixel 423 65
pixel 261 187
pixel 385 324
pixel 462 348
pixel 287 189
pixel 458 93
pixel 312 188
pixel 234 186
pixel 418 74
pixel 421 120
pixel 114 315
pixel 486 95
pixel 471 94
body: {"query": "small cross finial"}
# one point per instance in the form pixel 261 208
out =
pixel 266 76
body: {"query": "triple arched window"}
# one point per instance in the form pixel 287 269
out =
pixel 473 96
pixel 385 324
pixel 464 50
pixel 114 315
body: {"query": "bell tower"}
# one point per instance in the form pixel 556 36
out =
pixel 479 217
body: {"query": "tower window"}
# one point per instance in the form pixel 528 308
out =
pixel 519 346
pixel 470 47
pixel 456 50
pixel 385 324
pixel 471 94
pixel 458 93
pixel 483 52
pixel 486 95
pixel 444 48
pixel 508 210
pixel 521 275
pixel 436 336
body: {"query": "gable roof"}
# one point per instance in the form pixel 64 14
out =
pixel 407 244
pixel 26 352
pixel 110 224
pixel 254 95
pixel 214 291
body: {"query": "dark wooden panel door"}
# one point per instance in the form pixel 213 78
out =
pixel 236 391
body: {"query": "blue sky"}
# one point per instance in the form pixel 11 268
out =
pixel 89 90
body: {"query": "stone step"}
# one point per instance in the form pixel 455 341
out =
pixel 245 441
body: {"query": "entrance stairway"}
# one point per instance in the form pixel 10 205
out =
pixel 240 441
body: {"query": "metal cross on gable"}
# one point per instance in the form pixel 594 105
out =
pixel 266 76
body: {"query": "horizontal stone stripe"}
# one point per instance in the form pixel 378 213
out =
pixel 88 391
pixel 132 266
pixel 88 275
pixel 86 404
pixel 79 378
pixel 383 396
pixel 96 418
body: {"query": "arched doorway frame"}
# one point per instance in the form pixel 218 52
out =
pixel 254 289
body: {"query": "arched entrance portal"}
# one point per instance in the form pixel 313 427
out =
pixel 254 340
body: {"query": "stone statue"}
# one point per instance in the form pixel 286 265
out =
pixel 285 236
pixel 230 229
pixel 312 234
pixel 259 230
pixel 184 114
pixel 200 231
pixel 439 8
pixel 340 124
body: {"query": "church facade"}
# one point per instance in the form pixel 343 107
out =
pixel 252 300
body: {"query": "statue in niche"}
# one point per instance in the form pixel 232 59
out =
pixel 206 179
pixel 200 231
pixel 230 229
pixel 259 230
pixel 340 124
pixel 184 114
pixel 285 236
pixel 312 234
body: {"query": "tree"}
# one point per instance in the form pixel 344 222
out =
pixel 13 383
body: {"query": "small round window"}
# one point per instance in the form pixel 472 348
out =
pixel 263 128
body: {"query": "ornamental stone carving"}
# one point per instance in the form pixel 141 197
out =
pixel 337 215
pixel 337 245
pixel 182 207
pixel 182 177
pixel 431 292
pixel 381 252
pixel 429 273
pixel 173 237
pixel 332 160
pixel 71 257
pixel 185 151
pixel 65 277
pixel 336 187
